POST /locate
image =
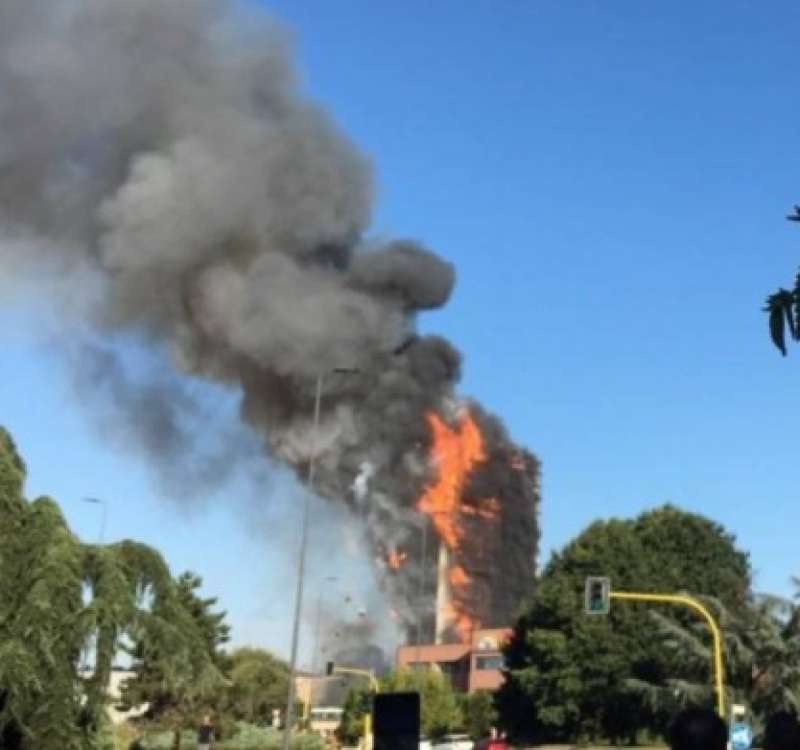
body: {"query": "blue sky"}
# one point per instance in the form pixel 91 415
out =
pixel 610 180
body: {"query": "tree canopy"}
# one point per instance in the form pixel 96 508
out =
pixel 178 665
pixel 258 683
pixel 762 657
pixel 439 705
pixel 569 675
pixel 439 711
pixel 57 597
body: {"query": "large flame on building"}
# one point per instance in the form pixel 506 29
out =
pixel 455 453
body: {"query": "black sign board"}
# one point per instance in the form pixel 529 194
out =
pixel 395 721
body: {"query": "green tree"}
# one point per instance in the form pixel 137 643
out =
pixel 569 675
pixel 439 708
pixel 56 596
pixel 783 307
pixel 357 705
pixel 178 664
pixel 439 713
pixel 257 684
pixel 762 657
pixel 478 713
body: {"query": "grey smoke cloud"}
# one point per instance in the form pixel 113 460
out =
pixel 163 149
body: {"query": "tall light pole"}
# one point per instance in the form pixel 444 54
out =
pixel 104 504
pixel 301 571
pixel 301 562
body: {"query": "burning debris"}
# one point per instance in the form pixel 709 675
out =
pixel 395 559
pixel 158 158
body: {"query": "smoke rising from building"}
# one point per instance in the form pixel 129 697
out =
pixel 159 157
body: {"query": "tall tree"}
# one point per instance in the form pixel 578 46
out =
pixel 257 685
pixel 568 674
pixel 177 662
pixel 46 702
pixel 762 657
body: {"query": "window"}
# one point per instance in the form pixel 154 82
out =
pixel 493 661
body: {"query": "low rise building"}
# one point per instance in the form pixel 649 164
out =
pixel 471 666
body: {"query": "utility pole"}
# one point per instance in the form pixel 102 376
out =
pixel 103 517
pixel 301 571
pixel 301 562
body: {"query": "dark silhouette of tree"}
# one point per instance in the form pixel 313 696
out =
pixel 571 676
pixel 783 307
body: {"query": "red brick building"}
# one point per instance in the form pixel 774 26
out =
pixel 471 666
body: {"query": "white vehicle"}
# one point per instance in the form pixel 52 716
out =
pixel 454 742
pixel 425 744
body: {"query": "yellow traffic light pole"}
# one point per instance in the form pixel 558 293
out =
pixel 688 601
pixel 376 687
pixel 373 681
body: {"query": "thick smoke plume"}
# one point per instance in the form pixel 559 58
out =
pixel 158 153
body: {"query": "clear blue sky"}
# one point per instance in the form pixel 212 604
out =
pixel 611 181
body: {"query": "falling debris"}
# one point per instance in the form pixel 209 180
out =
pixel 395 559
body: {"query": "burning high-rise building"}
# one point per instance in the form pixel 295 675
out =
pixel 159 161
pixel 481 502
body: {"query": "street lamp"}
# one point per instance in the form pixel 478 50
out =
pixel 104 504
pixel 301 563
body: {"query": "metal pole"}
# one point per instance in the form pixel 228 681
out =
pixel 104 513
pixel 315 657
pixel 301 569
pixel 716 635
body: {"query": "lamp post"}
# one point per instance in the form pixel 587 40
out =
pixel 104 504
pixel 301 562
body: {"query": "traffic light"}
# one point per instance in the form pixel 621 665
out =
pixel 330 668
pixel 597 599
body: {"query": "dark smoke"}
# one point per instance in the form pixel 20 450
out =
pixel 159 154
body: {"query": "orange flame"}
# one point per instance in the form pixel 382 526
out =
pixel 455 452
pixel 458 576
pixel 395 559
